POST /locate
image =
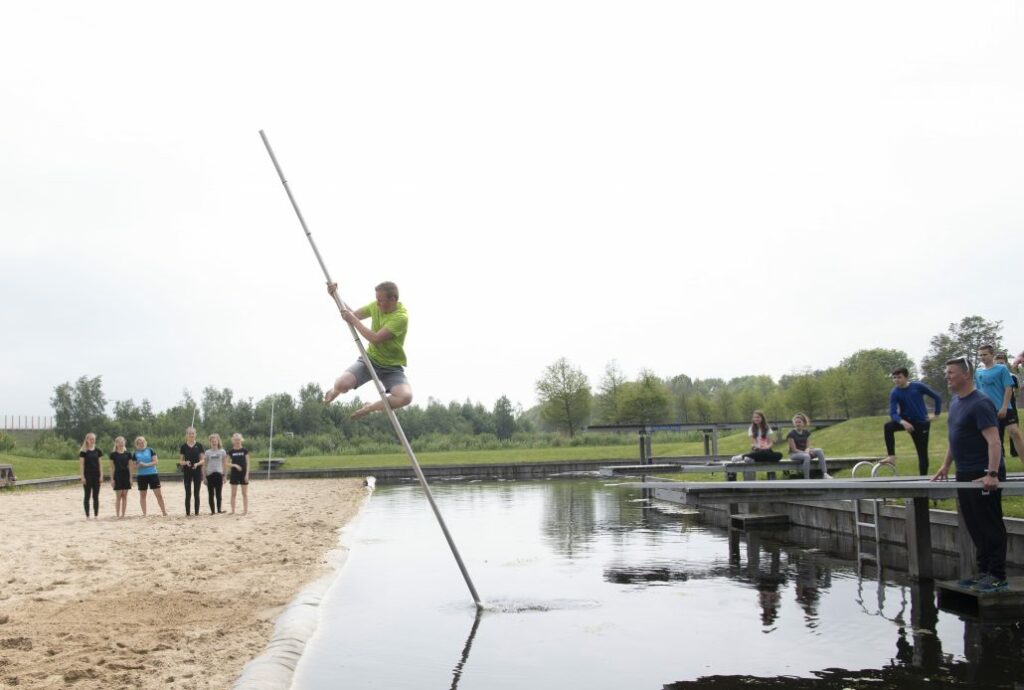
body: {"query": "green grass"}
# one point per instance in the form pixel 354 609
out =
pixel 39 468
pixel 857 437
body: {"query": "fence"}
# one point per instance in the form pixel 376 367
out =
pixel 25 423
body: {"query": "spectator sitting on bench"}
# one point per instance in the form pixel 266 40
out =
pixel 761 441
pixel 800 451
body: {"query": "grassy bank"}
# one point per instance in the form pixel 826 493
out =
pixel 857 437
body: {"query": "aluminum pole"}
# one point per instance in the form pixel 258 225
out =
pixel 392 417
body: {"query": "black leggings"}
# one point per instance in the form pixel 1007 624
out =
pixel 214 482
pixel 193 480
pixel 763 455
pixel 91 487
pixel 920 437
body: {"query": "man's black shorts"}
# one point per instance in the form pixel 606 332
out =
pixel 1010 418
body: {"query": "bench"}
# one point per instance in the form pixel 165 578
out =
pixel 749 470
pixel 7 477
pixel 271 464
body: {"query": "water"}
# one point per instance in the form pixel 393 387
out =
pixel 588 585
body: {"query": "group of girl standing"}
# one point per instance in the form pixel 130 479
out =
pixel 198 466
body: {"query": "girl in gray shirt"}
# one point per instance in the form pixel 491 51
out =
pixel 213 472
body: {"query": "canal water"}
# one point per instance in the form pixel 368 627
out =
pixel 591 585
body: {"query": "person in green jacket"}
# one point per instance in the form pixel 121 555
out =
pixel 389 323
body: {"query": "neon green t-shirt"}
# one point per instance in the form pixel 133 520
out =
pixel 392 352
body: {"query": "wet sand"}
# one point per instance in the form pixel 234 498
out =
pixel 156 602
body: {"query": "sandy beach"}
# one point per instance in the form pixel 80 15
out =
pixel 156 602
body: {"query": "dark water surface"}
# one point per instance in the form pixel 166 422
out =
pixel 589 585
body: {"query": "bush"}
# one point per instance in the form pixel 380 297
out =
pixel 7 443
pixel 50 446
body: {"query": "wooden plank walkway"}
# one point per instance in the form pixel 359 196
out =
pixel 765 491
pixel 748 521
pixel 727 466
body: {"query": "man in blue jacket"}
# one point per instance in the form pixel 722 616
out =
pixel 908 412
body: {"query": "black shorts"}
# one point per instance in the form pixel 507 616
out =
pixel 148 481
pixel 122 481
pixel 238 477
pixel 1010 418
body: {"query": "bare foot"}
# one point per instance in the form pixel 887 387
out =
pixel 362 411
pixel 888 460
pixel 329 396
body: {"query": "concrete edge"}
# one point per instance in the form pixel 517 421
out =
pixel 275 667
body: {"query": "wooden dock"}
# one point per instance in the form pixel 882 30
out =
pixel 749 521
pixel 915 491
pixel 957 598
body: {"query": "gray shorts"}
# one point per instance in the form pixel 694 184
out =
pixel 389 376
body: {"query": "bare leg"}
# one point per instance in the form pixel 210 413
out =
pixel 343 384
pixel 245 499
pixel 234 491
pixel 142 500
pixel 160 500
pixel 400 396
pixel 1016 439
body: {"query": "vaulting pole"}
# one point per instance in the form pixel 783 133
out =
pixel 376 381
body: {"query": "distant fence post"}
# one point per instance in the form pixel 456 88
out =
pixel 18 422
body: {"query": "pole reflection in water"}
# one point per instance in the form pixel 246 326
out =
pixel 457 671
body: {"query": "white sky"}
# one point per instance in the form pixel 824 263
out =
pixel 712 188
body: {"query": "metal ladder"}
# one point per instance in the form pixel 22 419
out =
pixel 859 523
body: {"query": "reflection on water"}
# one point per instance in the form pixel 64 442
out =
pixel 457 671
pixel 591 585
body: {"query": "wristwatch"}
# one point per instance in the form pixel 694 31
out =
pixel 992 473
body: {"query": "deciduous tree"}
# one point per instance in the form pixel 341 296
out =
pixel 80 408
pixel 565 396
pixel 504 419
pixel 644 401
pixel 960 340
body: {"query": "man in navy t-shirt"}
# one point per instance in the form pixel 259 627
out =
pixel 974 447
pixel 908 412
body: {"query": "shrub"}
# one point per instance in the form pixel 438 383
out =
pixel 50 446
pixel 7 442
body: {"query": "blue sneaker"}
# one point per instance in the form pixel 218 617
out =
pixel 969 582
pixel 989 584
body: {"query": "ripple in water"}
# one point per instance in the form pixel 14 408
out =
pixel 537 606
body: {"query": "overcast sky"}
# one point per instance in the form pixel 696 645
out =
pixel 709 188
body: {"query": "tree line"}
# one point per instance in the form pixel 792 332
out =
pixel 857 386
pixel 81 407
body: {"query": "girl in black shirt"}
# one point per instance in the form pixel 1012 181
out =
pixel 191 462
pixel 121 475
pixel 91 473
pixel 239 458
